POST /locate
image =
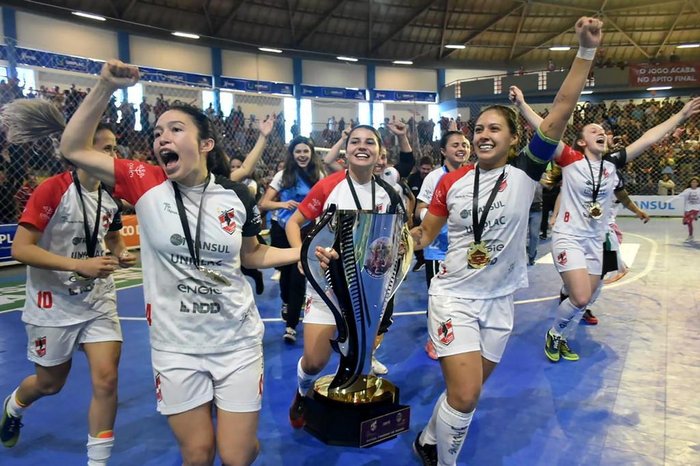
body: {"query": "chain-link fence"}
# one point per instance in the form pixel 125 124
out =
pixel 133 115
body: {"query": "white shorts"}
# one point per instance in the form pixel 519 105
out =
pixel 460 325
pixel 315 310
pixel 51 346
pixel 577 252
pixel 234 380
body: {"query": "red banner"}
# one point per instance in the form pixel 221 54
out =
pixel 130 231
pixel 665 74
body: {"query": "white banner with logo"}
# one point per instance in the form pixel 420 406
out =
pixel 656 206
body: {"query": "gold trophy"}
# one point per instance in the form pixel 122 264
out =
pixel 353 407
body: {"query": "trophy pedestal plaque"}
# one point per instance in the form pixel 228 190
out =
pixel 358 419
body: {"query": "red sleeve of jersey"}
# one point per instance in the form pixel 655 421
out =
pixel 438 205
pixel 44 201
pixel 568 156
pixel 132 179
pixel 312 205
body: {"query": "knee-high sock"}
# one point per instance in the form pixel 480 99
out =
pixel 567 319
pixel 304 381
pixel 451 428
pixel 99 450
pixel 428 436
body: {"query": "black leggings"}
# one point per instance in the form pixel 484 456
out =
pixel 292 282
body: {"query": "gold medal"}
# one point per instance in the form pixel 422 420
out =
pixel 595 210
pixel 478 256
pixel 216 277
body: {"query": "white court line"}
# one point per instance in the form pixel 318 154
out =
pixel 628 256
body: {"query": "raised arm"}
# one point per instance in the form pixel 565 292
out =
pixel 658 132
pixel 589 33
pixel 251 160
pixel 76 143
pixel 330 160
pixel 517 98
pixel 400 129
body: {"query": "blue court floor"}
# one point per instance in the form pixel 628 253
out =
pixel 632 399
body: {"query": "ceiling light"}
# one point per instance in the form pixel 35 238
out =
pixel 186 35
pixel 347 59
pixel 455 46
pixel 560 49
pixel 402 62
pixel 687 46
pixel 659 88
pixel 89 16
pixel 265 49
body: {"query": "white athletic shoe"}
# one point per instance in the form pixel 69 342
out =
pixel 378 368
pixel 690 239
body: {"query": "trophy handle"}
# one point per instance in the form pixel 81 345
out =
pixel 402 270
pixel 324 291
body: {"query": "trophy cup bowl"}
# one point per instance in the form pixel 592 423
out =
pixel 354 407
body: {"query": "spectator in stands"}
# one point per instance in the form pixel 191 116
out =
pixel 145 115
pixel 8 207
pixel 25 191
pixel 666 186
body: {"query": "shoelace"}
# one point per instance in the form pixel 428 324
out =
pixel 14 424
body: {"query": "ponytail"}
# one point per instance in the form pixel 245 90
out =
pixel 27 120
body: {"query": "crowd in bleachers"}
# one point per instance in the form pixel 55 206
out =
pixel 21 167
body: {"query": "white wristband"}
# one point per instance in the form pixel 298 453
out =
pixel 423 213
pixel 586 53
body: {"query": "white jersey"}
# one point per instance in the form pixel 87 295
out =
pixel 57 298
pixel 691 199
pixel 276 184
pixel 577 188
pixel 504 233
pixel 334 189
pixel 188 311
pixel 437 249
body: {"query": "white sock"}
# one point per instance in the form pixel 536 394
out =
pixel 451 428
pixel 13 408
pixel 304 381
pixel 567 319
pixel 99 450
pixel 428 437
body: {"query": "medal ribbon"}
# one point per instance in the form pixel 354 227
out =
pixel 595 189
pixel 193 247
pixel 90 240
pixel 479 224
pixel 354 193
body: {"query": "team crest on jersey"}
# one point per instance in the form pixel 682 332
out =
pixel 227 221
pixel 40 346
pixel 106 221
pixel 445 332
pixel 159 394
pixel 136 170
pixel 561 258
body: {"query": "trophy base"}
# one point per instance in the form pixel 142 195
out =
pixel 355 423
